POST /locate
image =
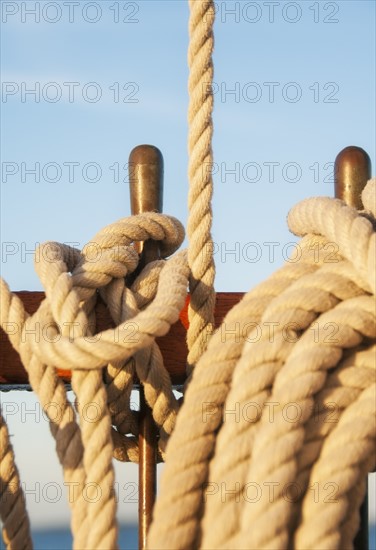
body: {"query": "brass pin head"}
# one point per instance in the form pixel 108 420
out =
pixel 352 170
pixel 146 179
pixel 146 191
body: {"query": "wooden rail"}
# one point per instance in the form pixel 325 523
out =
pixel 173 345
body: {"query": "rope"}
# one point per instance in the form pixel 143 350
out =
pixel 50 390
pixel 271 358
pixel 200 250
pixel 293 365
pixel 86 444
pixel 249 426
pixel 16 528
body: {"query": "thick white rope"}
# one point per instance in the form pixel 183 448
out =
pixel 200 250
pixel 16 528
pixel 67 315
pixel 221 464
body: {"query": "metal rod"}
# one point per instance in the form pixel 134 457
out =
pixel 352 170
pixel 146 189
pixel 147 473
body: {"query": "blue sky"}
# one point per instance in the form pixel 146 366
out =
pixel 318 57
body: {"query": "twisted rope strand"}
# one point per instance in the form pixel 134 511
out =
pixel 65 301
pixel 13 514
pixel 347 455
pixel 50 389
pixel 200 251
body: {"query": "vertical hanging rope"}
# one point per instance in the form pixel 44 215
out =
pixel 200 252
pixel 16 528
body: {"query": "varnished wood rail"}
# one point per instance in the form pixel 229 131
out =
pixel 173 345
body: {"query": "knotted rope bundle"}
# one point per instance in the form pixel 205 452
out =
pixel 64 326
pixel 277 430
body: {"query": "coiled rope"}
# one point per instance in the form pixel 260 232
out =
pixel 270 418
pixel 225 443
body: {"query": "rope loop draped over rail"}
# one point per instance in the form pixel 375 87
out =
pixel 62 334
